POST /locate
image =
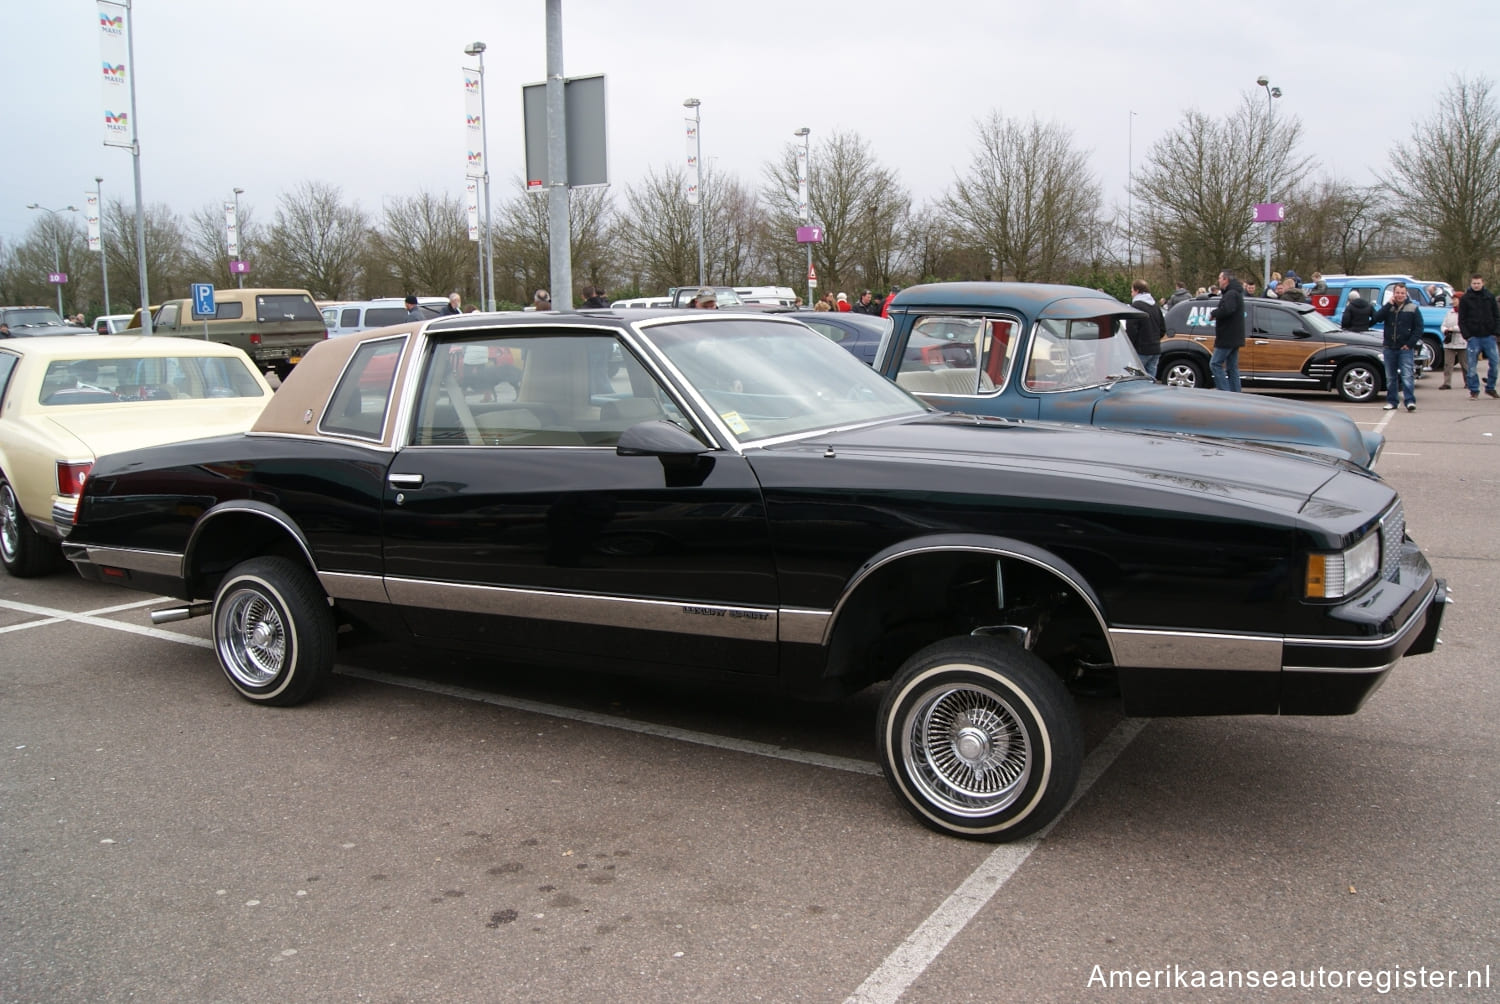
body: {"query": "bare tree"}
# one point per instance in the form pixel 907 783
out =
pixel 167 275
pixel 659 232
pixel 1196 189
pixel 523 246
pixel 1445 177
pixel 859 204
pixel 421 245
pixel 1029 199
pixel 316 243
pixel 206 245
pixel 1335 226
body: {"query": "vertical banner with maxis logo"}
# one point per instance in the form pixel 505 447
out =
pixel 91 217
pixel 473 125
pixel 231 231
pixel 692 161
pixel 471 192
pixel 114 49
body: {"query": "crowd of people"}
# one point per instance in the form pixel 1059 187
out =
pixel 1470 330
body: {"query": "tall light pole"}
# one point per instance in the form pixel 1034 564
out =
pixel 694 104
pixel 237 193
pixel 56 244
pixel 103 259
pixel 804 185
pixel 1271 94
pixel 477 49
pixel 1130 199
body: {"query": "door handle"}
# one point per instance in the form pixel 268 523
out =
pixel 399 481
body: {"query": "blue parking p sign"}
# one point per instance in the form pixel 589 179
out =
pixel 203 301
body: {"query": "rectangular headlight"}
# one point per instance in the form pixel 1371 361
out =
pixel 1332 576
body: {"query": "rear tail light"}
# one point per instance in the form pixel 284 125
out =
pixel 71 476
pixel 255 338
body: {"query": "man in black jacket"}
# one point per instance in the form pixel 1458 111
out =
pixel 1479 320
pixel 1145 332
pixel 1358 314
pixel 1403 333
pixel 1229 332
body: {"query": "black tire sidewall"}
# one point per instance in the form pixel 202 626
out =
pixel 33 555
pixel 294 593
pixel 1042 706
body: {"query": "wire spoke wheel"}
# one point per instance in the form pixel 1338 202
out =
pixel 967 751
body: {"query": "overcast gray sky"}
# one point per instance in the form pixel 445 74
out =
pixel 265 94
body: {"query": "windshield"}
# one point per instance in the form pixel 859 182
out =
pixel 27 317
pixel 766 378
pixel 1068 355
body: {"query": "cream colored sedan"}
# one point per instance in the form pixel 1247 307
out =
pixel 66 401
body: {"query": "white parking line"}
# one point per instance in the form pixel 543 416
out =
pixel 912 957
pixel 55 616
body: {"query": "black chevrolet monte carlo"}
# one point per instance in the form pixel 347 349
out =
pixel 735 498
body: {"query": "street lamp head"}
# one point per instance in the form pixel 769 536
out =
pixel 691 103
pixel 70 209
pixel 1276 92
pixel 239 191
pixel 474 48
pixel 802 132
pixel 33 205
pixel 1262 81
pixel 98 180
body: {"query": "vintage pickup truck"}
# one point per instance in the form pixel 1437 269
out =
pixel 1060 353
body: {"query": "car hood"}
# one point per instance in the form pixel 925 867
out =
pixel 1153 407
pixel 1049 459
pixel 99 429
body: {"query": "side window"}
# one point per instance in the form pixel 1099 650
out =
pixel 229 310
pixel 828 331
pixel 1371 294
pixel 1276 323
pixel 7 367
pixel 349 318
pixel 168 316
pixel 1000 339
pixel 363 396
pixel 942 355
pixel 537 390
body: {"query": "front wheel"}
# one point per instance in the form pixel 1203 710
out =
pixel 273 631
pixel 1431 360
pixel 980 739
pixel 1183 372
pixel 1359 381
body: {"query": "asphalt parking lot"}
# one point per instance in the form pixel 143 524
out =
pixel 437 829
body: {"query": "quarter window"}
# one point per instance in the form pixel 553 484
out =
pixel 363 396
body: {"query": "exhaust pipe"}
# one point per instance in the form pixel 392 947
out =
pixel 170 614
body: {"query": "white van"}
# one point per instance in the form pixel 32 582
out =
pixel 348 318
pixel 784 296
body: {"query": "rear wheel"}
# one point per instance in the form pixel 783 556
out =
pixel 980 739
pixel 1358 381
pixel 25 553
pixel 1183 372
pixel 1432 360
pixel 274 631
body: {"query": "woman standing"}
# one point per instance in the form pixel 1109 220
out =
pixel 1455 349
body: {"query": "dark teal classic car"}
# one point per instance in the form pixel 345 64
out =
pixel 735 498
pixel 1060 353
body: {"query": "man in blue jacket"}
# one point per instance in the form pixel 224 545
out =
pixel 1403 333
pixel 1229 332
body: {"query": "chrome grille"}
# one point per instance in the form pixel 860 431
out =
pixel 1392 535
